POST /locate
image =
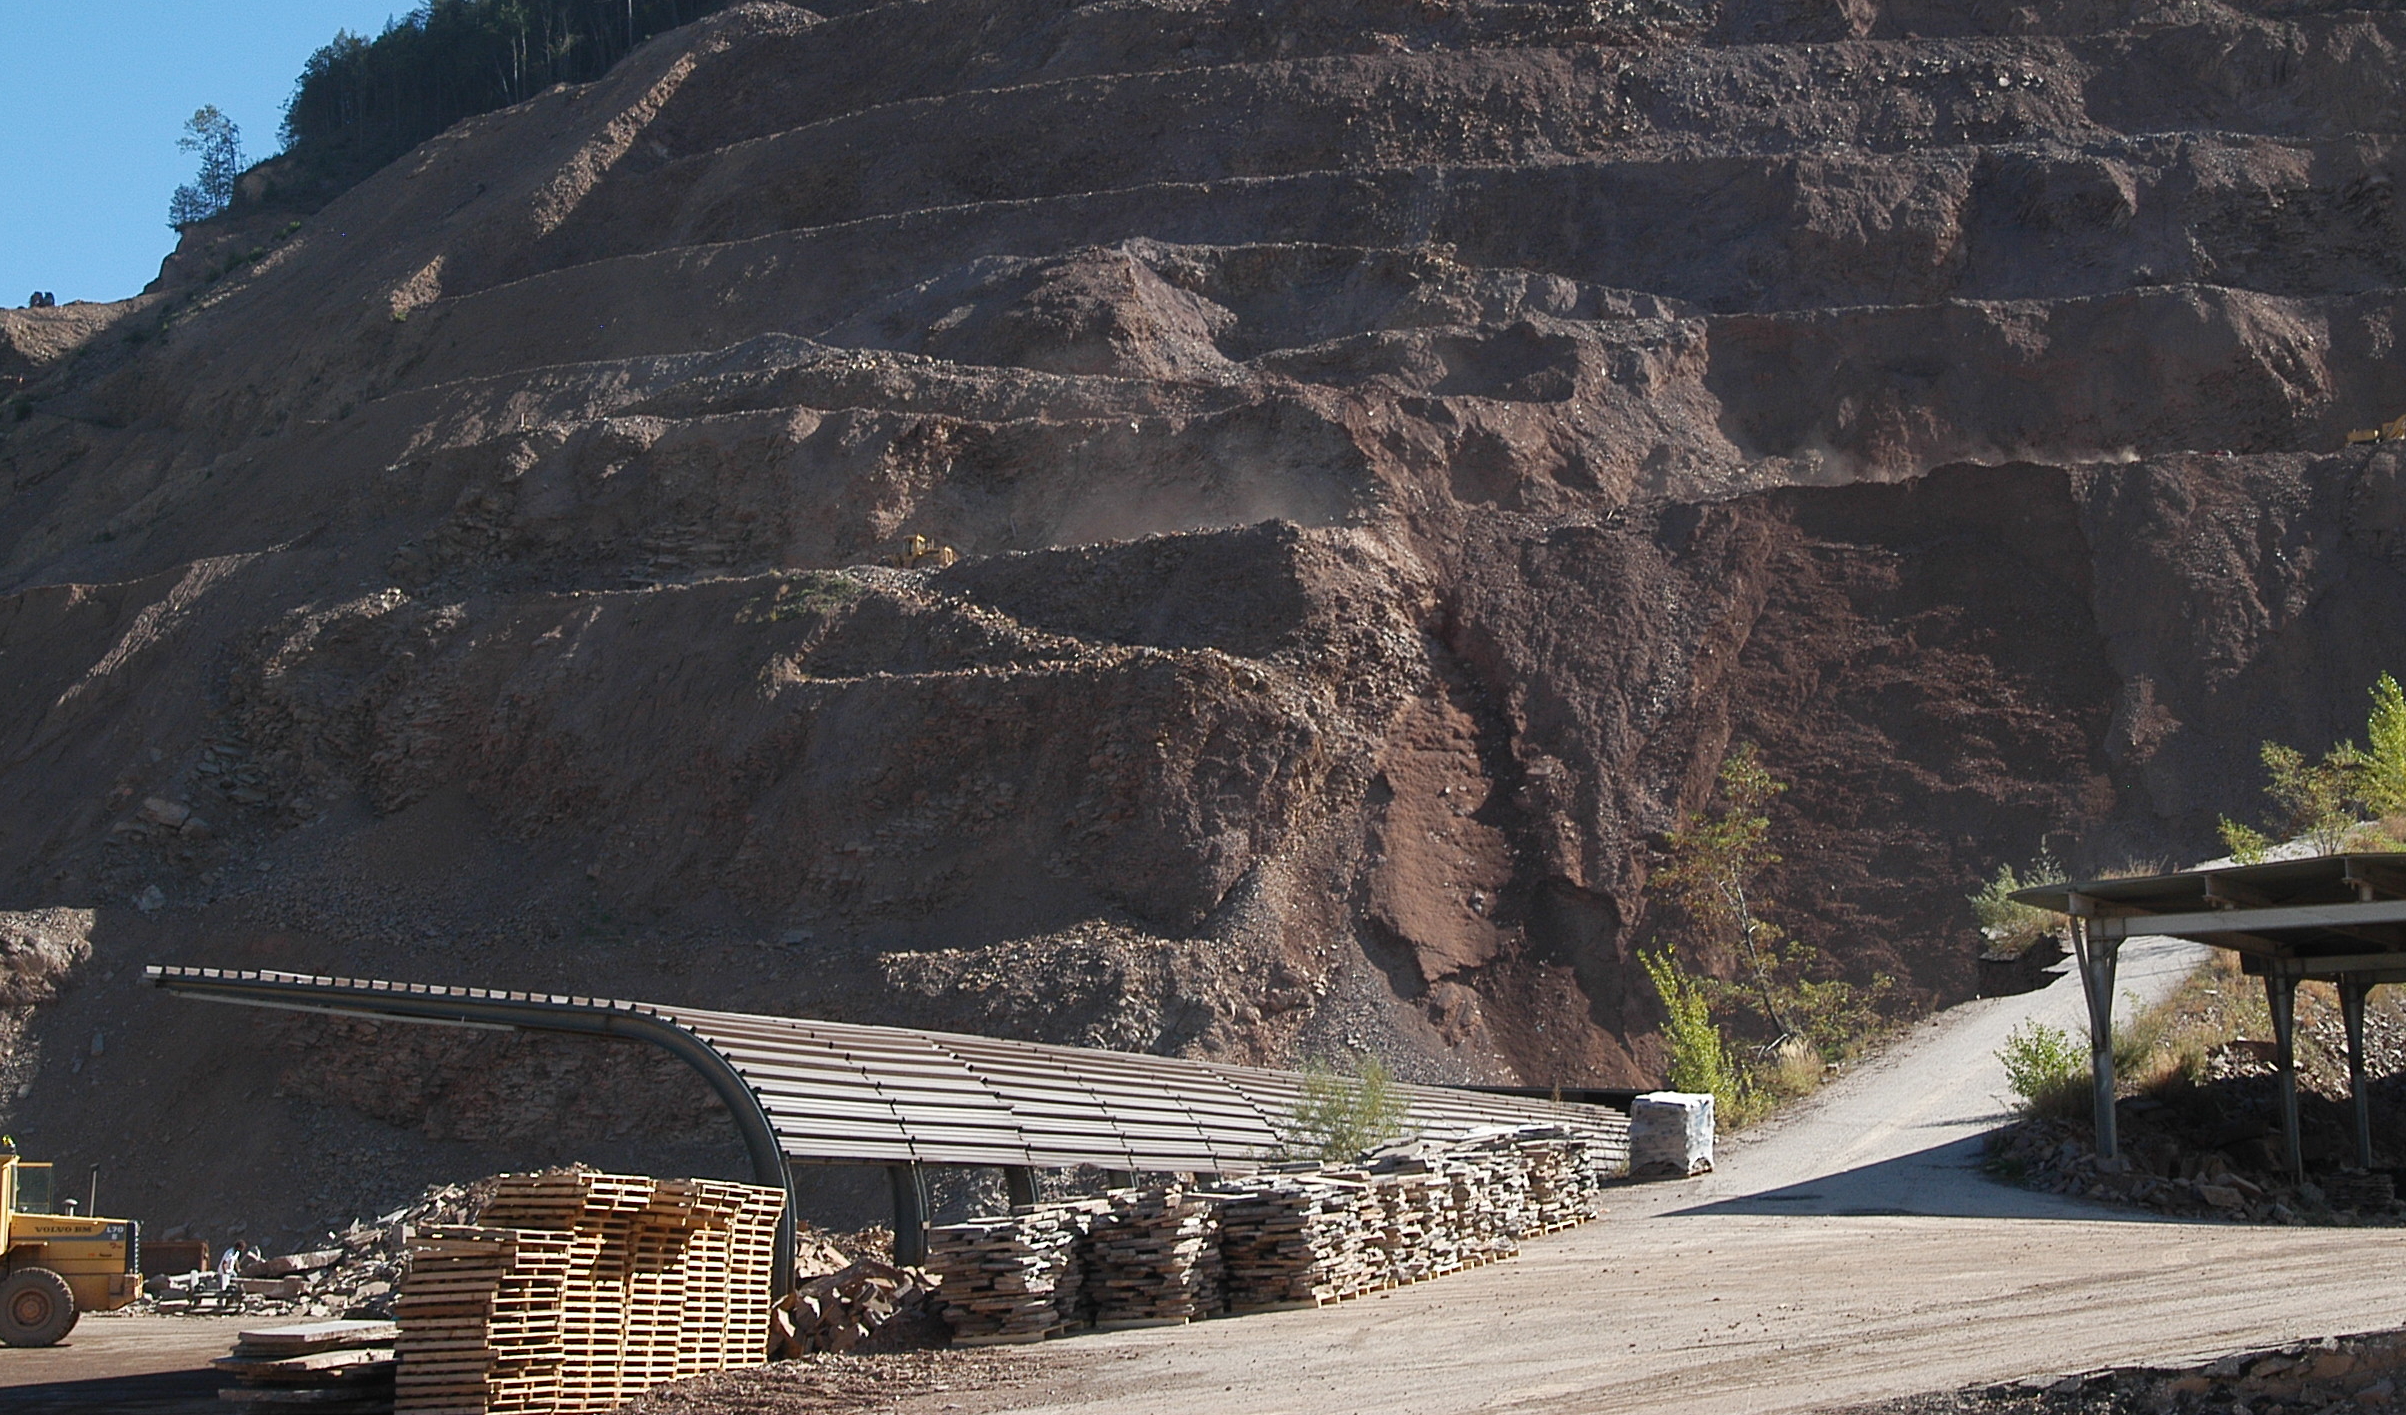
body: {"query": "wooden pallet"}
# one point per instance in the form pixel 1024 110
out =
pixel 581 1290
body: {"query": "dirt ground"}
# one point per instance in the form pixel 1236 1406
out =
pixel 1719 1312
pixel 122 1365
pixel 1686 1310
pixel 842 1383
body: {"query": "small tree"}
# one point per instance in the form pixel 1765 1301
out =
pixel 1697 1062
pixel 213 137
pixel 1344 1114
pixel 1715 860
pixel 2385 759
pixel 2324 803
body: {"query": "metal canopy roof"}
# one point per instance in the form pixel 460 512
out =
pixel 835 1092
pixel 2325 917
pixel 2340 918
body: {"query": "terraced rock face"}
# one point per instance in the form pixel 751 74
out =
pixel 1394 449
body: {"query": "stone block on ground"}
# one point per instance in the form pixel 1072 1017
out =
pixel 1670 1135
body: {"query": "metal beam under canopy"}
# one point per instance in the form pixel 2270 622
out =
pixel 2337 918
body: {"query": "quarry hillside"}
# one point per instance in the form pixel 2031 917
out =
pixel 1394 450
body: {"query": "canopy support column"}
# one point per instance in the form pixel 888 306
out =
pixel 1019 1185
pixel 910 1214
pixel 2096 958
pixel 2280 996
pixel 2352 988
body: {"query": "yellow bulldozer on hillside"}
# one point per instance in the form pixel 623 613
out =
pixel 920 553
pixel 57 1266
pixel 2392 431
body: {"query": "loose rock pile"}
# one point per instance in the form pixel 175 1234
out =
pixel 856 1308
pixel 1294 1238
pixel 351 1273
pixel 2350 1373
pixel 2156 1172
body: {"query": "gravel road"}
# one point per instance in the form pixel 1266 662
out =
pixel 1902 1133
pixel 1851 1252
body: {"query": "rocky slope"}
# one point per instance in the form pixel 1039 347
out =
pixel 1394 448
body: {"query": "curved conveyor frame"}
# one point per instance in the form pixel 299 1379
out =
pixel 806 1091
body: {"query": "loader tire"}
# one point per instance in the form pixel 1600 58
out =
pixel 37 1308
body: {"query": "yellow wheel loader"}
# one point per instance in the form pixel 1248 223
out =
pixel 58 1266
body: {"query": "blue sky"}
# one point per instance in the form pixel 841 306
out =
pixel 96 93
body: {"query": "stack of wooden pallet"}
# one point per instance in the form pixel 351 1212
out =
pixel 1014 1278
pixel 341 1368
pixel 480 1319
pixel 1152 1259
pixel 579 1291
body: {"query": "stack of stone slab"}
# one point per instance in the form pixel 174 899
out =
pixel 1489 1190
pixel 1563 1181
pixel 1298 1237
pixel 1015 1278
pixel 1302 1240
pixel 341 1368
pixel 1415 1229
pixel 1670 1135
pixel 579 1291
pixel 1152 1259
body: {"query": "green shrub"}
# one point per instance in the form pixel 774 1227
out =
pixel 1344 1114
pixel 2011 927
pixel 1699 1062
pixel 2049 1070
pixel 2247 845
pixel 2324 803
pixel 817 592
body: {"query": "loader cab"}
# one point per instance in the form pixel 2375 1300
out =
pixel 25 1188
